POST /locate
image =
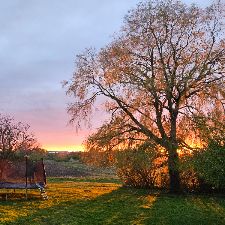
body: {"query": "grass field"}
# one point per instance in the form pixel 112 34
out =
pixel 75 201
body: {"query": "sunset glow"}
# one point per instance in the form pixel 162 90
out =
pixel 40 63
pixel 112 112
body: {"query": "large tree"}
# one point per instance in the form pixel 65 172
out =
pixel 162 72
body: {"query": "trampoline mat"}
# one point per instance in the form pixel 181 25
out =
pixel 8 185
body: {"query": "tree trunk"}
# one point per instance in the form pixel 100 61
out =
pixel 173 166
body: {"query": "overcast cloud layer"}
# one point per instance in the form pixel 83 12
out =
pixel 38 43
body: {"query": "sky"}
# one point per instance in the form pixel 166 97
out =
pixel 39 40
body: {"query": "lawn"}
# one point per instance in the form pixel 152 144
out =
pixel 76 201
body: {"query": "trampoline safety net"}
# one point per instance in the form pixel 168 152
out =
pixel 23 174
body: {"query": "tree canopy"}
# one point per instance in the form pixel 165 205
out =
pixel 160 76
pixel 15 137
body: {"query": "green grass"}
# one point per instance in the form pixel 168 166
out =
pixel 77 202
pixel 85 179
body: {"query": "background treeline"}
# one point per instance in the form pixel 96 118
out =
pixel 16 142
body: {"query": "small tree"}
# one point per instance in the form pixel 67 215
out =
pixel 164 69
pixel 14 137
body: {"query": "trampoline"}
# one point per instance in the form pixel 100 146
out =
pixel 23 174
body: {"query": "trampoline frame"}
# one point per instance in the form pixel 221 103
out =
pixel 27 186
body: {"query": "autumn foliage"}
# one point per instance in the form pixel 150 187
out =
pixel 161 79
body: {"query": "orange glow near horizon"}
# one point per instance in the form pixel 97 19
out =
pixel 71 148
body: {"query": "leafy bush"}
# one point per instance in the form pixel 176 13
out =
pixel 189 178
pixel 202 171
pixel 210 165
pixel 141 168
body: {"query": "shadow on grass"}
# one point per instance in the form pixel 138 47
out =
pixel 132 206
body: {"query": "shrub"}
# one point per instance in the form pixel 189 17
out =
pixel 204 170
pixel 210 165
pixel 189 178
pixel 141 168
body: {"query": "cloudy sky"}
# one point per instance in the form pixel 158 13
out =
pixel 38 43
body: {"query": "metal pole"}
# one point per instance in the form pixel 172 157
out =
pixel 26 175
pixel 44 172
